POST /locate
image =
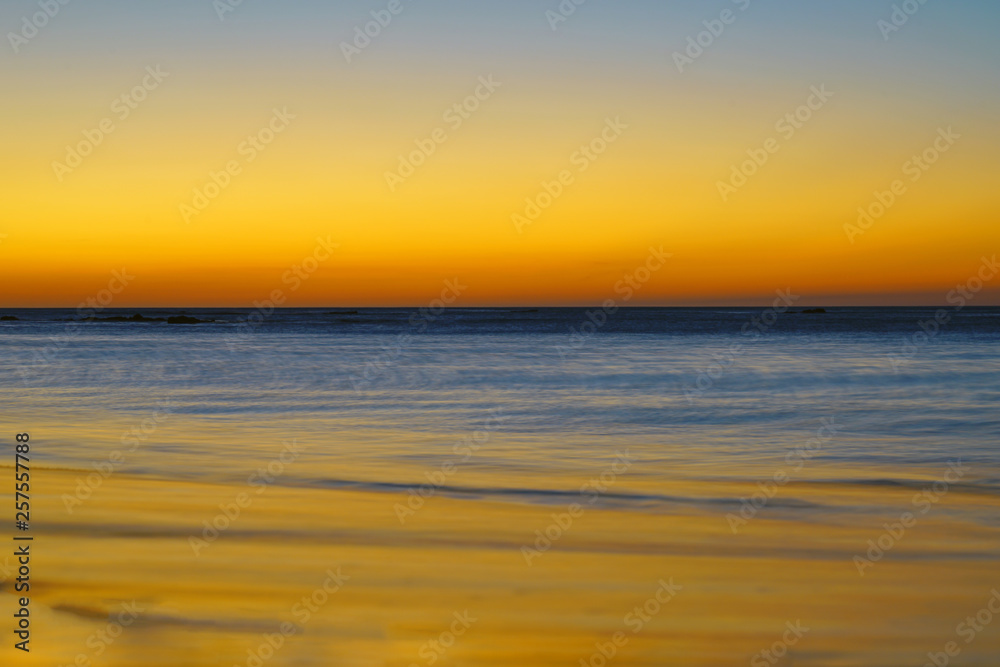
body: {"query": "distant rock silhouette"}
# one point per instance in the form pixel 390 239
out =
pixel 184 319
pixel 135 318
pixel 9 318
pixel 814 311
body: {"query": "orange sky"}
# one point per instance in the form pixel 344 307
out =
pixel 328 132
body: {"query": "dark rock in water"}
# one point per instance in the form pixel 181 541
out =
pixel 135 318
pixel 9 318
pixel 184 319
pixel 343 312
pixel 814 311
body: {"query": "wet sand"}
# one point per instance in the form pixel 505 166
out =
pixel 381 591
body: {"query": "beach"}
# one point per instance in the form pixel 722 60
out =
pixel 377 593
pixel 490 500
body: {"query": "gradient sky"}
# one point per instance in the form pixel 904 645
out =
pixel 657 185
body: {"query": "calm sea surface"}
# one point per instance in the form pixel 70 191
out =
pixel 837 421
pixel 693 392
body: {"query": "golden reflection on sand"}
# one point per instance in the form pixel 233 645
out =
pixel 455 574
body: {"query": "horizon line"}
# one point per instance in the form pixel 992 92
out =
pixel 508 307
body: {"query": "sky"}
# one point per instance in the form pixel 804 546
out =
pixel 220 155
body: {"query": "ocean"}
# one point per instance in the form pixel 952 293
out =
pixel 735 474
